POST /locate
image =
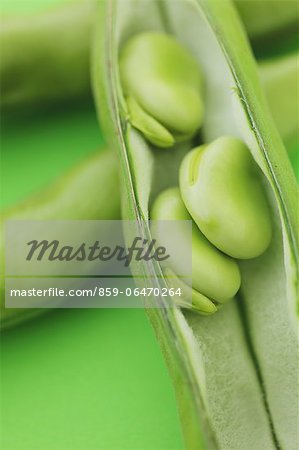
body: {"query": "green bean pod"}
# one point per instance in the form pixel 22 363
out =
pixel 264 17
pixel 75 195
pixel 45 57
pixel 280 80
pixel 45 60
pixel 234 371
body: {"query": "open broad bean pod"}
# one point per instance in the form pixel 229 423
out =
pixel 234 371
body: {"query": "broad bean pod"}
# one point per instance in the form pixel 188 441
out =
pixel 225 366
pixel 77 194
pixel 45 57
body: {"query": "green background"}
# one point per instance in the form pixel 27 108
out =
pixel 76 379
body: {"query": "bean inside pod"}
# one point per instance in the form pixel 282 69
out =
pixel 162 84
pixel 219 186
pixel 233 371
